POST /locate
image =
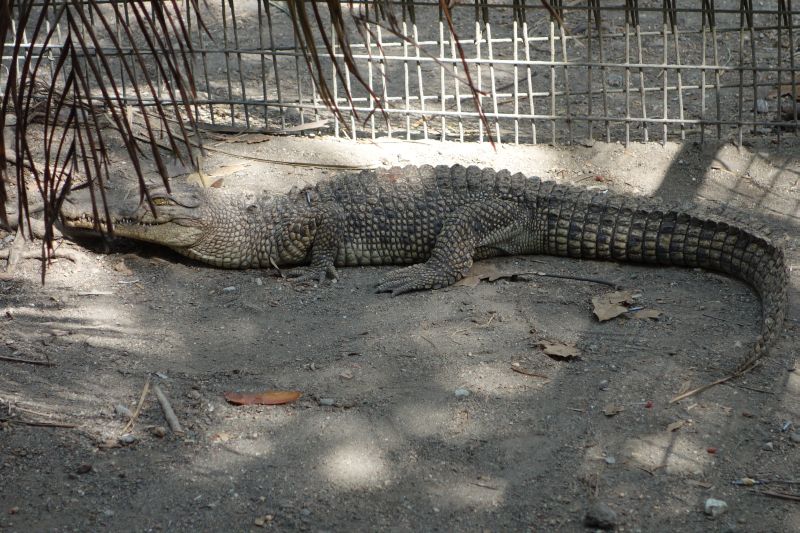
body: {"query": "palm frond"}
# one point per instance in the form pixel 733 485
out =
pixel 66 88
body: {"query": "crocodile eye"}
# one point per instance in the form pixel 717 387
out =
pixel 160 201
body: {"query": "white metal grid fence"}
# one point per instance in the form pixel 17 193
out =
pixel 628 71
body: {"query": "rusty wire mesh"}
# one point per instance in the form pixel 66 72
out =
pixel 628 71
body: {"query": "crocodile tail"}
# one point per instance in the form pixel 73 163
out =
pixel 593 225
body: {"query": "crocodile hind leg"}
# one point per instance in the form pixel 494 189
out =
pixel 487 229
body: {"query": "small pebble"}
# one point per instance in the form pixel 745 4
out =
pixel 193 394
pixel 768 447
pixel 259 282
pixel 328 402
pixel 762 106
pixel 714 507
pixel 85 468
pixel 122 411
pixel 461 393
pixel 127 439
pixel 604 385
pixel 229 289
pixel 601 516
pixel 795 437
pixel 611 460
pixel 158 431
pixel 615 80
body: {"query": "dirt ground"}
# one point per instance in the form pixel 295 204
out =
pixel 433 411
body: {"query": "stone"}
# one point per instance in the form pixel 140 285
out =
pixel 714 507
pixel 601 516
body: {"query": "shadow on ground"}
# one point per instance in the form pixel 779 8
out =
pixel 398 449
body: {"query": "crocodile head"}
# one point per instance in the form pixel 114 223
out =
pixel 220 227
pixel 178 220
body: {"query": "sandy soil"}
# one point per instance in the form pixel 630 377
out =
pixel 412 416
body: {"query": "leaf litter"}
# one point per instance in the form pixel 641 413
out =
pixel 559 350
pixel 273 397
pixel 613 304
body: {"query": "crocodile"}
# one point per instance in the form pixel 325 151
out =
pixel 438 220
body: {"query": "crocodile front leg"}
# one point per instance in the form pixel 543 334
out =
pixel 487 228
pixel 325 232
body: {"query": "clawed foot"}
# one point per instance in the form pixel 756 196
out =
pixel 414 278
pixel 316 274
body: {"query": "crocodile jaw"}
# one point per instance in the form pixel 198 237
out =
pixel 175 233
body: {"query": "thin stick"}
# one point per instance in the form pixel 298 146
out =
pixel 423 337
pixel 754 389
pixel 575 278
pixel 44 424
pixel 26 361
pixel 525 372
pixel 707 386
pixel 781 495
pixel 169 414
pixel 138 409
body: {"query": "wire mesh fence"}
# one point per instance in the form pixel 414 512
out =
pixel 624 71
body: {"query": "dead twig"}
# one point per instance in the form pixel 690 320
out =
pixel 169 414
pixel 524 372
pixel 43 424
pixel 702 388
pixel 563 276
pixel 138 409
pixel 26 361
pixel 754 389
pixel 698 390
pixel 423 337
pixel 779 495
pixel 483 486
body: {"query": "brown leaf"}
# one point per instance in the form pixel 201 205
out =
pixel 482 271
pixel 609 305
pixel 217 184
pixel 122 268
pixel 644 314
pixel 272 397
pixel 559 350
pixel 786 90
pixel 221 437
pixel 254 138
pixel 612 410
pixel 675 426
pixel 468 281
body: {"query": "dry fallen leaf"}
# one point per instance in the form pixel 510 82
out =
pixel 786 90
pixel 481 271
pixel 609 305
pixel 273 397
pixel 559 350
pixel 675 426
pixel 612 410
pixel 644 314
pixel 220 437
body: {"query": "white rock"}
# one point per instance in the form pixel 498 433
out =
pixel 714 507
